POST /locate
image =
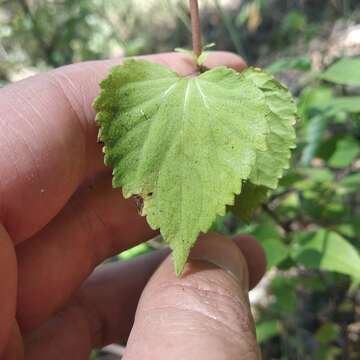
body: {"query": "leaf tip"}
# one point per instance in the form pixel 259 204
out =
pixel 179 267
pixel 180 257
pixel 178 271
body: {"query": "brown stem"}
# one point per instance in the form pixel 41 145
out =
pixel 285 226
pixel 195 26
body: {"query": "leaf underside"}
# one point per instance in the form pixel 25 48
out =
pixel 248 200
pixel 185 145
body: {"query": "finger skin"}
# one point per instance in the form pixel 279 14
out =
pixel 96 224
pixel 204 315
pixel 48 138
pixel 14 349
pixel 8 283
pixel 100 313
pixel 255 257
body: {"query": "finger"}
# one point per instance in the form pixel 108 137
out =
pixel 101 312
pixel 256 264
pixel 225 58
pixel 14 349
pixel 8 280
pixel 96 224
pixel 48 138
pixel 205 314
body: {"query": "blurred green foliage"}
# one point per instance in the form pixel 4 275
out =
pixel 310 226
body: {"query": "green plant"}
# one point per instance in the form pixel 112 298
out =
pixel 186 147
pixel 310 228
pixel 313 195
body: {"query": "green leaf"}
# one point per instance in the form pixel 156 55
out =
pixel 204 54
pixel 346 103
pixel 327 333
pixel 350 184
pixel 345 71
pixel 248 200
pixel 327 352
pixel 266 330
pixel 319 175
pixel 347 150
pixel 275 251
pixel 281 116
pixel 299 63
pixel 202 57
pixel 314 133
pixel 135 251
pixel 184 145
pixel 284 292
pixel 185 51
pixel 208 46
pixel 264 231
pixel 328 251
pixel 314 98
pixel 327 146
pixel 350 228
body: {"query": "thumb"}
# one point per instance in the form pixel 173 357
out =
pixel 205 314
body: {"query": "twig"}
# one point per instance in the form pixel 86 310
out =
pixel 281 194
pixel 195 26
pixel 285 226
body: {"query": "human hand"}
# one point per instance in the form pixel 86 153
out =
pixel 60 218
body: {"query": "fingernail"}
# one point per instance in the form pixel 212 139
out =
pixel 222 252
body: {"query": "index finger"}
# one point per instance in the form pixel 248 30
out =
pixel 48 138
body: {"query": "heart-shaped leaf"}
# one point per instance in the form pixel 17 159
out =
pixel 184 145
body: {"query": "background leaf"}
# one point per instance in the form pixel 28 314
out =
pixel 275 251
pixel 314 135
pixel 345 71
pixel 327 250
pixel 300 63
pixel 266 330
pixel 346 103
pixel 347 149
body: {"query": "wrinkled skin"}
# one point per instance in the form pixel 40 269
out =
pixel 60 218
